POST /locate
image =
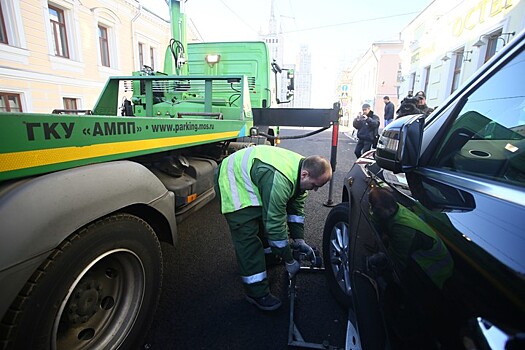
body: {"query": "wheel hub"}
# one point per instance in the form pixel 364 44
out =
pixel 84 302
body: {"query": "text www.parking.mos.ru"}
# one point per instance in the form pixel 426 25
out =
pixel 187 126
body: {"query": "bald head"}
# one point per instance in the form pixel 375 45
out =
pixel 315 172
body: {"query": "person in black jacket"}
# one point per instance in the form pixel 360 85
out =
pixel 389 110
pixel 422 103
pixel 367 126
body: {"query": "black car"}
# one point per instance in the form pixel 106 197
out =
pixel 427 248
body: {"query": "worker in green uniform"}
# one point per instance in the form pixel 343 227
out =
pixel 425 268
pixel 264 184
pixel 407 237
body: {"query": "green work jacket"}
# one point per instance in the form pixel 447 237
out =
pixel 434 259
pixel 266 177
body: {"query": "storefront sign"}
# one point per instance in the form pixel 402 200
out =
pixel 479 13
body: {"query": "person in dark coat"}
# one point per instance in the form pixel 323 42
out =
pixel 422 103
pixel 367 126
pixel 389 110
pixel 408 107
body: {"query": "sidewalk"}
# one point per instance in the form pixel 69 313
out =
pixel 348 131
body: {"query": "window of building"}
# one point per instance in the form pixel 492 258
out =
pixel 58 29
pixel 12 33
pixel 103 41
pixel 487 136
pixel 62 26
pixel 412 83
pixel 152 57
pixel 107 28
pixel 458 64
pixel 10 102
pixel 426 78
pixel 492 45
pixel 141 55
pixel 3 31
pixel 70 104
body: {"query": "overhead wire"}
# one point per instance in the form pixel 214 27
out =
pixel 323 26
pixel 238 17
pixel 351 22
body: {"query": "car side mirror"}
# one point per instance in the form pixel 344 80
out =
pixel 399 146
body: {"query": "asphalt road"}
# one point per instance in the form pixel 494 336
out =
pixel 202 305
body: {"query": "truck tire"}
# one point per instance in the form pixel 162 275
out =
pixel 98 290
pixel 336 253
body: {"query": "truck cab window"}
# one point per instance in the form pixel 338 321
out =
pixel 487 138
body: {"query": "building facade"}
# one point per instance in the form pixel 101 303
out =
pixel 440 49
pixel 372 77
pixel 58 54
pixel 303 79
pixel 301 69
pixel 275 42
pixel 449 41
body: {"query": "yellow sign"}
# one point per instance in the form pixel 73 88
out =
pixel 478 14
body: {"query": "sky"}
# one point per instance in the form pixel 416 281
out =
pixel 336 31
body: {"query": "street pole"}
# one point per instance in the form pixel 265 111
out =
pixel 333 161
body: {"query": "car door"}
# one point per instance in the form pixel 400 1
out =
pixel 408 299
pixel 467 194
pixel 471 181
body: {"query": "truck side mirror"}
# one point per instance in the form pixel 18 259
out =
pixel 291 76
pixel 275 67
pixel 399 145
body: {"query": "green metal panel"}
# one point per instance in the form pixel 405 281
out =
pixel 247 58
pixel 168 119
pixel 39 143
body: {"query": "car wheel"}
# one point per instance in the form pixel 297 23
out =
pixel 336 249
pixel 98 290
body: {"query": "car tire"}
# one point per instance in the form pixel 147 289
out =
pixel 98 290
pixel 336 253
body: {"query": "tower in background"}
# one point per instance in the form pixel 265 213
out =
pixel 274 38
pixel 303 79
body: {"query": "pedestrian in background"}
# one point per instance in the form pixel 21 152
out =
pixel 367 126
pixel 262 191
pixel 422 103
pixel 389 110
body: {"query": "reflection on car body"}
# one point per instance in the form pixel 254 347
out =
pixel 427 246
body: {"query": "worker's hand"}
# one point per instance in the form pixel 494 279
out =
pixel 292 267
pixel 301 246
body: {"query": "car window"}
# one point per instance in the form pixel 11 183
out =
pixel 487 138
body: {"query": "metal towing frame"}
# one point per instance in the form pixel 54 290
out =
pixel 296 339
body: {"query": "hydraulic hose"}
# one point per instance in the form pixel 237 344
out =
pixel 271 137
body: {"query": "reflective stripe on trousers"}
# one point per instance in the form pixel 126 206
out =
pixel 258 277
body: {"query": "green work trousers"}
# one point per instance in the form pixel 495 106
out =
pixel 248 236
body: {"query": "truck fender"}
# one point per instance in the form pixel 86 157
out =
pixel 39 213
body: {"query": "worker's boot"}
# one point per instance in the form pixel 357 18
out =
pixel 267 303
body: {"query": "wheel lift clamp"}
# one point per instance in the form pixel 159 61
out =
pixel 295 338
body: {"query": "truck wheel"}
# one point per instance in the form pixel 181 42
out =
pixel 98 290
pixel 336 250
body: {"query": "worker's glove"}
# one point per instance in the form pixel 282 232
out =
pixel 301 246
pixel 292 268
